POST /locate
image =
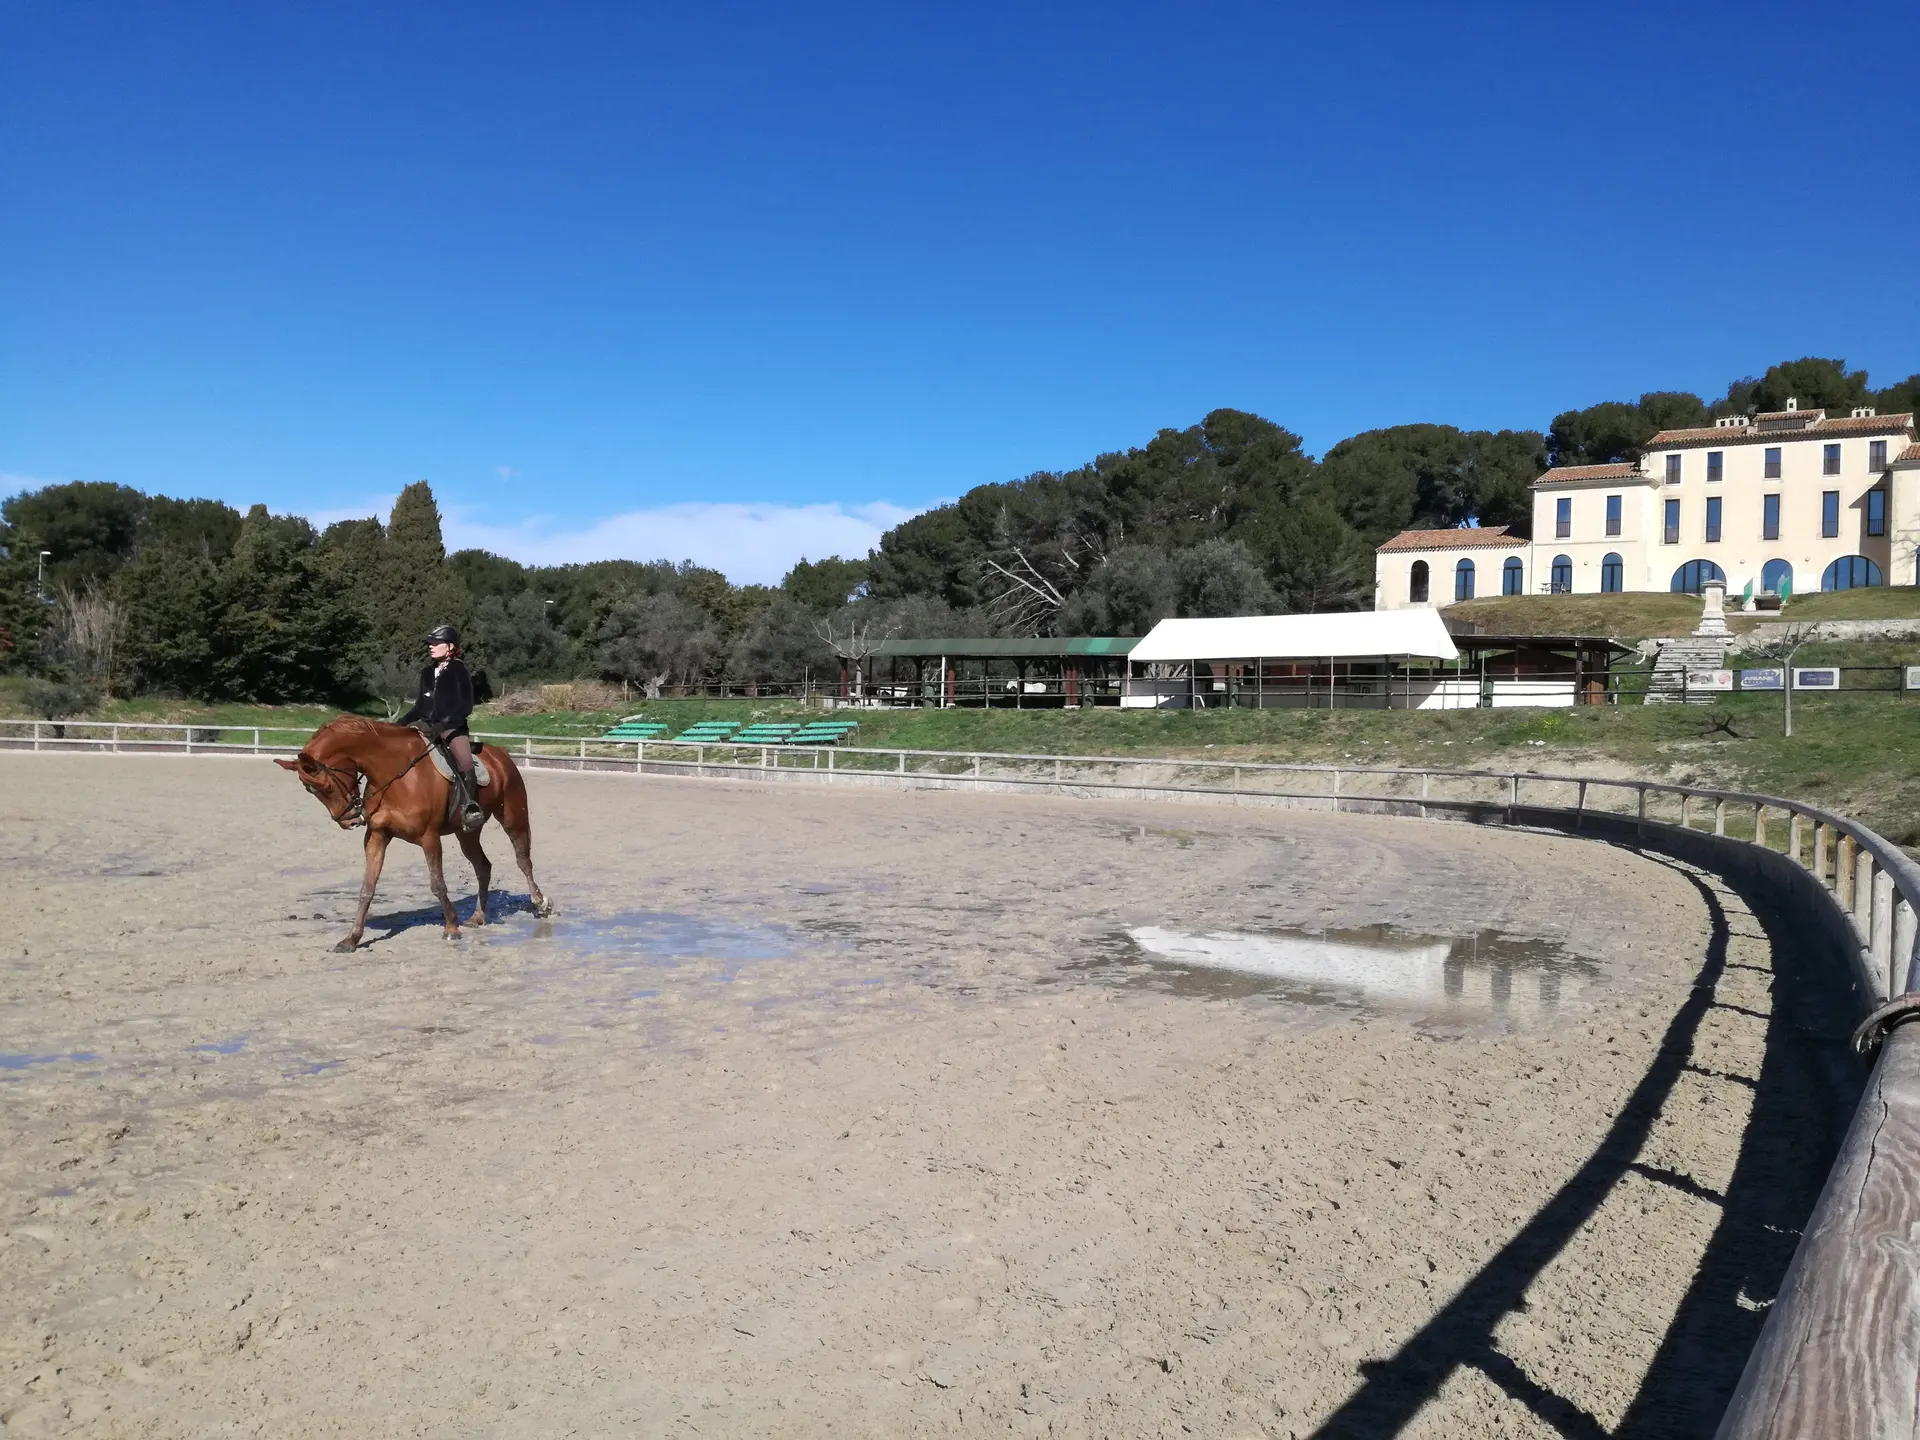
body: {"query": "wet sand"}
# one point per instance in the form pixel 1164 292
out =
pixel 830 1112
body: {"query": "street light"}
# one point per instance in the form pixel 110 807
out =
pixel 40 578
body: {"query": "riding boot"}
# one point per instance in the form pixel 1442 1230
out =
pixel 472 817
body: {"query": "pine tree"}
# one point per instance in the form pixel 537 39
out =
pixel 418 588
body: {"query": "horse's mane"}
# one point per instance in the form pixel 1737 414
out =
pixel 359 725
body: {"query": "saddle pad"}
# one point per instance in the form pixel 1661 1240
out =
pixel 445 766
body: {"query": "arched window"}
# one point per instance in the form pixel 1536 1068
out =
pixel 1417 583
pixel 1463 580
pixel 1613 574
pixel 1563 574
pixel 1851 572
pixel 1513 577
pixel 1776 578
pixel 1691 577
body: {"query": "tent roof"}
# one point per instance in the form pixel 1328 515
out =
pixel 1307 637
pixel 979 647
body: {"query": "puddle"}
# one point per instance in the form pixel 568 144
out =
pixel 221 1047
pixel 653 937
pixel 21 1062
pixel 1378 967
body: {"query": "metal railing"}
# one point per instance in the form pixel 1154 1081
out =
pixel 1837 1357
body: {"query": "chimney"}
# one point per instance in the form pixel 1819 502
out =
pixel 1792 404
pixel 1864 412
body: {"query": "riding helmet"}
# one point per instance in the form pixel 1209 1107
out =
pixel 443 635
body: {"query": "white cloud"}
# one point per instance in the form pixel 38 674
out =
pixel 749 543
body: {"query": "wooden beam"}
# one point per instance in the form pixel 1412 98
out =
pixel 1839 1358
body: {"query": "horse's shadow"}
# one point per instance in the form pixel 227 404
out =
pixel 500 907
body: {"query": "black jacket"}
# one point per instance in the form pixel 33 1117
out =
pixel 446 699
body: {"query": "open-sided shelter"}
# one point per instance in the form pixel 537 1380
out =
pixel 1376 660
pixel 1032 673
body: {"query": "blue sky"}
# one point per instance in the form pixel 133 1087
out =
pixel 740 282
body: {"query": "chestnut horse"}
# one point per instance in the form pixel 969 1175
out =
pixel 380 777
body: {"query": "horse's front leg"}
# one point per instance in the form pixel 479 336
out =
pixel 482 872
pixel 437 879
pixel 376 847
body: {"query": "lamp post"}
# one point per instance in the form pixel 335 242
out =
pixel 40 577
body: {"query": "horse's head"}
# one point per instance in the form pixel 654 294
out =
pixel 335 787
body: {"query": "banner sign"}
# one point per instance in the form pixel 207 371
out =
pixel 1762 680
pixel 1709 679
pixel 1816 679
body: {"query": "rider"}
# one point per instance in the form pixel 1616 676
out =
pixel 446 700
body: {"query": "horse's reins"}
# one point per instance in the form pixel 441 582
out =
pixel 355 809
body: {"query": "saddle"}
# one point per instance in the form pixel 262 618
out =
pixel 443 762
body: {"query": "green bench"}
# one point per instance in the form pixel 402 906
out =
pixel 823 732
pixel 708 731
pixel 636 730
pixel 769 734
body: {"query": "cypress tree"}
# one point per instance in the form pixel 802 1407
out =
pixel 419 588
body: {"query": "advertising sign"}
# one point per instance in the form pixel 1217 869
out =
pixel 1913 677
pixel 1709 679
pixel 1762 680
pixel 1816 679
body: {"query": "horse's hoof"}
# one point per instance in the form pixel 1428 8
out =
pixel 347 946
pixel 546 909
pixel 455 933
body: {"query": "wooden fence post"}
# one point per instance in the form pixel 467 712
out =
pixel 1880 929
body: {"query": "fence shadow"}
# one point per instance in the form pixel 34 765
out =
pixel 1804 1094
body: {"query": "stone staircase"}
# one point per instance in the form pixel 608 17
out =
pixel 1668 683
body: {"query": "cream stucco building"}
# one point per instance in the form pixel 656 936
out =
pixel 1791 501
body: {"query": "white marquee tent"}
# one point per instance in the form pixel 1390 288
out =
pixel 1373 659
pixel 1362 634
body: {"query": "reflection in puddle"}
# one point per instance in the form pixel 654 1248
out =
pixel 21 1062
pixel 648 935
pixel 1487 973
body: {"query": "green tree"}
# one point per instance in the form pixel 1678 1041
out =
pixel 486 574
pixel 285 628
pixel 205 527
pixel 783 643
pixel 825 584
pixel 657 640
pixel 1220 577
pixel 514 640
pixel 1131 592
pixel 1319 563
pixel 171 596
pixel 90 527
pixel 1432 476
pixel 1813 383
pixel 418 589
pixel 1900 398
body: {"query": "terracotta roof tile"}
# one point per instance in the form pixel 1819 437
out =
pixel 1579 474
pixel 1908 459
pixel 1838 425
pixel 1485 537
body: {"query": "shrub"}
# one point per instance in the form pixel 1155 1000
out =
pixel 51 700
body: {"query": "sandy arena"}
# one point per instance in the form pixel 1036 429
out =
pixel 854 1112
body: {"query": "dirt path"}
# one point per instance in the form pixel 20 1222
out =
pixel 853 1113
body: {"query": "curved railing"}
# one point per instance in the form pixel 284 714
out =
pixel 1839 1356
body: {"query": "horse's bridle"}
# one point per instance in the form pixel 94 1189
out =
pixel 353 814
